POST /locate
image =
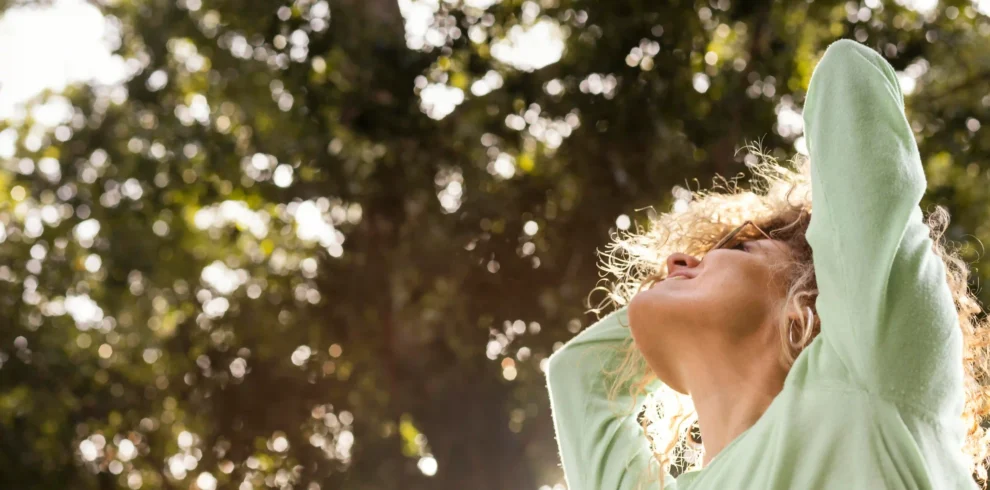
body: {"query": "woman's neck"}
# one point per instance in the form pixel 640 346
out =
pixel 731 394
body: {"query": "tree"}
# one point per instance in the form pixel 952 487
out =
pixel 321 245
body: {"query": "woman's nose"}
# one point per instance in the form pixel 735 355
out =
pixel 677 261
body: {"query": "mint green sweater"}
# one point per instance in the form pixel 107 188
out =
pixel 875 401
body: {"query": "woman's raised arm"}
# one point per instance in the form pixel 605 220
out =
pixel 598 449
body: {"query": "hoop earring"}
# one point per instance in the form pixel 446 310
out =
pixel 810 323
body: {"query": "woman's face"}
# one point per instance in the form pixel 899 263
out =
pixel 724 303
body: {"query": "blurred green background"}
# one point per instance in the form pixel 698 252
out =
pixel 330 245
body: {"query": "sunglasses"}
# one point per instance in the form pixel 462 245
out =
pixel 728 238
pixel 655 278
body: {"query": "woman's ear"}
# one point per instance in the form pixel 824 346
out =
pixel 795 315
pixel 800 318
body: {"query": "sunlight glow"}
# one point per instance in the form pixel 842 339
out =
pixel 790 122
pixel 88 450
pixel 57 45
pixel 206 481
pixel 312 225
pixel 438 100
pixel 84 311
pixel 126 450
pixel 801 146
pixel 920 6
pixel 418 15
pixel 480 4
pixel 701 82
pixel 232 212
pixel 623 222
pixel 491 81
pixel 301 355
pixel 531 48
pixel 503 166
pixel 908 78
pixel 86 232
pixel 283 175
pixel 427 465
pixel 222 278
pixel 185 440
pixel 450 189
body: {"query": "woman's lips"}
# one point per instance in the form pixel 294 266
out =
pixel 677 276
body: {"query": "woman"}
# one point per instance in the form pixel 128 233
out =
pixel 834 349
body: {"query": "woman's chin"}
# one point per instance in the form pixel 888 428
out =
pixel 648 306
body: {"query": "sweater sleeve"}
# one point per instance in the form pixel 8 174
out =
pixel 601 447
pixel 885 305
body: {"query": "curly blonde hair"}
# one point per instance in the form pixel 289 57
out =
pixel 779 202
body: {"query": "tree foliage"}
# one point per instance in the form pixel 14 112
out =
pixel 271 257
